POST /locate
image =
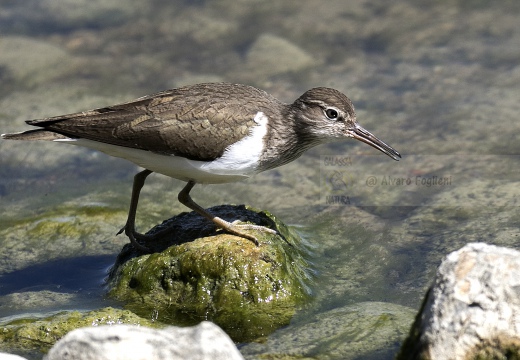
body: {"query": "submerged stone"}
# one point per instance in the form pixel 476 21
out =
pixel 247 290
pixel 32 335
pixel 365 330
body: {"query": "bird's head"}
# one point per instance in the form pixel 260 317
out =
pixel 325 115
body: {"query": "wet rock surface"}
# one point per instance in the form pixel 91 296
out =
pixel 358 331
pixel 33 335
pixel 247 290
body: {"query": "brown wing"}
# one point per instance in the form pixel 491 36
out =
pixel 198 122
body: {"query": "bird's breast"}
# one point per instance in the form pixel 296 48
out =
pixel 242 157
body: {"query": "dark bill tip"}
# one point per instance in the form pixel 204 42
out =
pixel 365 136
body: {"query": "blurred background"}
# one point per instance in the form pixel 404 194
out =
pixel 438 81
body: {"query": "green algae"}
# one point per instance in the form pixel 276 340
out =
pixel 366 330
pixel 39 334
pixel 248 290
pixel 63 231
pixel 499 348
pixel 70 222
pixel 65 220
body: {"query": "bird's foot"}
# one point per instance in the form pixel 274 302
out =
pixel 236 229
pixel 134 236
pixel 253 227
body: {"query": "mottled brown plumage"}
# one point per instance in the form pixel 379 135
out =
pixel 197 122
pixel 208 133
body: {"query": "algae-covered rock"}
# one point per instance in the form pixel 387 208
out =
pixel 39 334
pixel 247 290
pixel 365 330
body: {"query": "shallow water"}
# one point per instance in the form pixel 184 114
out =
pixel 439 82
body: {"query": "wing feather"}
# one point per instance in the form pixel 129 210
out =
pixel 197 122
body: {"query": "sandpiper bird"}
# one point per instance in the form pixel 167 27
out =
pixel 207 133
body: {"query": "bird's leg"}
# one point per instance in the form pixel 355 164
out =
pixel 233 228
pixel 129 227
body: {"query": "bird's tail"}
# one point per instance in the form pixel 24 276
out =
pixel 37 134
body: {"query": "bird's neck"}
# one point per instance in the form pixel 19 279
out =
pixel 284 141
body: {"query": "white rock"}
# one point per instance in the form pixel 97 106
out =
pixel 126 342
pixel 5 356
pixel 473 307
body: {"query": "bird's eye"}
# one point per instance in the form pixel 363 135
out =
pixel 331 113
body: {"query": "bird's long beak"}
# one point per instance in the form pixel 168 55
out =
pixel 363 135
